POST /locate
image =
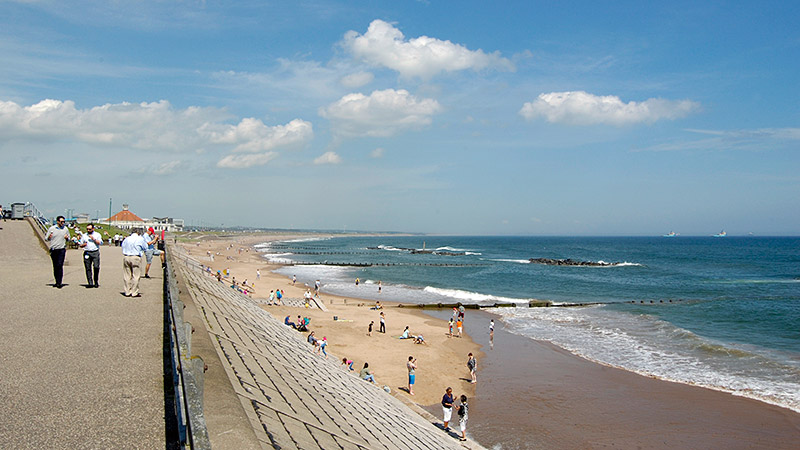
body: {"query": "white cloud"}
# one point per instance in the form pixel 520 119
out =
pixel 377 153
pixel 424 57
pixel 167 168
pixel 582 108
pixel 151 126
pixel 245 161
pixel 383 113
pixel 251 135
pixel 328 158
pixel 356 80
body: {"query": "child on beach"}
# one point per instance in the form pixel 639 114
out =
pixel 369 330
pixel 450 333
pixel 412 367
pixel 463 416
pixel 472 365
pixel 460 326
pixel 348 363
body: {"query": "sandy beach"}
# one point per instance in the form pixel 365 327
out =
pixel 529 394
pixel 441 361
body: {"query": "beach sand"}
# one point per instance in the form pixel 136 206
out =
pixel 441 361
pixel 529 394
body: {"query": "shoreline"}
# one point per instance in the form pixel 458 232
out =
pixel 574 403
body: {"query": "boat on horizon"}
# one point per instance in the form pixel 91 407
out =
pixel 721 234
pixel 670 234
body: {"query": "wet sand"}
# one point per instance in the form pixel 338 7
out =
pixel 532 394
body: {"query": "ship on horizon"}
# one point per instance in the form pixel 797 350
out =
pixel 721 234
pixel 670 234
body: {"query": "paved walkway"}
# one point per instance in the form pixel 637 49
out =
pixel 293 398
pixel 79 368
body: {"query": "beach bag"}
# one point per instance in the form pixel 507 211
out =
pixel 461 411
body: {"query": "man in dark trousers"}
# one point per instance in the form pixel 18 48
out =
pixel 90 243
pixel 57 237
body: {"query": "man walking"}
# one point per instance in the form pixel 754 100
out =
pixel 383 323
pixel 133 248
pixel 57 237
pixel 90 243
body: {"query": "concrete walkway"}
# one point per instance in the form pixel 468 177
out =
pixel 293 398
pixel 79 368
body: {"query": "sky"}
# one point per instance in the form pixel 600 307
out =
pixel 468 117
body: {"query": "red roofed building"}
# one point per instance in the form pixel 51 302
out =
pixel 126 220
pixel 124 216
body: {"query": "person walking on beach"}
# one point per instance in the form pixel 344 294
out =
pixel 90 242
pixel 383 323
pixel 322 345
pixel 258 274
pixel 460 326
pixel 133 248
pixel 369 330
pixel 491 329
pixel 447 407
pixel 472 365
pixel 271 297
pixel 57 237
pixel 411 365
pixel 294 279
pixel 380 286
pixel 450 332
pixel 463 416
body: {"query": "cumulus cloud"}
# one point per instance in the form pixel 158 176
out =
pixel 356 80
pixel 423 57
pixel 245 161
pixel 252 135
pixel 582 108
pixel 382 113
pixel 328 158
pixel 153 126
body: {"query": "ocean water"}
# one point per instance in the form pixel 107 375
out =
pixel 722 313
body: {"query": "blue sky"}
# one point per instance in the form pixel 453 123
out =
pixel 469 117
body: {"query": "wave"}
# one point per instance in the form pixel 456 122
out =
pixel 518 261
pixel 652 347
pixel 473 297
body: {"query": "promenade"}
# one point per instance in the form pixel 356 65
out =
pixel 293 398
pixel 79 368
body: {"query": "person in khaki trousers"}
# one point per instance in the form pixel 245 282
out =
pixel 133 248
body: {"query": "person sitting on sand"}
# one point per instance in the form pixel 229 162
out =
pixel 367 374
pixel 302 325
pixel 405 334
pixel 286 321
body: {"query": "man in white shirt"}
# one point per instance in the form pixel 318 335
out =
pixel 57 237
pixel 133 248
pixel 90 243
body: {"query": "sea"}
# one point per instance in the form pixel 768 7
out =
pixel 722 313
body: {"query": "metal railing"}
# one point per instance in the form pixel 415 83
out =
pixel 187 370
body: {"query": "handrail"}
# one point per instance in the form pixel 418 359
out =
pixel 187 370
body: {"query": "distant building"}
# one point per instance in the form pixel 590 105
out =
pixel 126 220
